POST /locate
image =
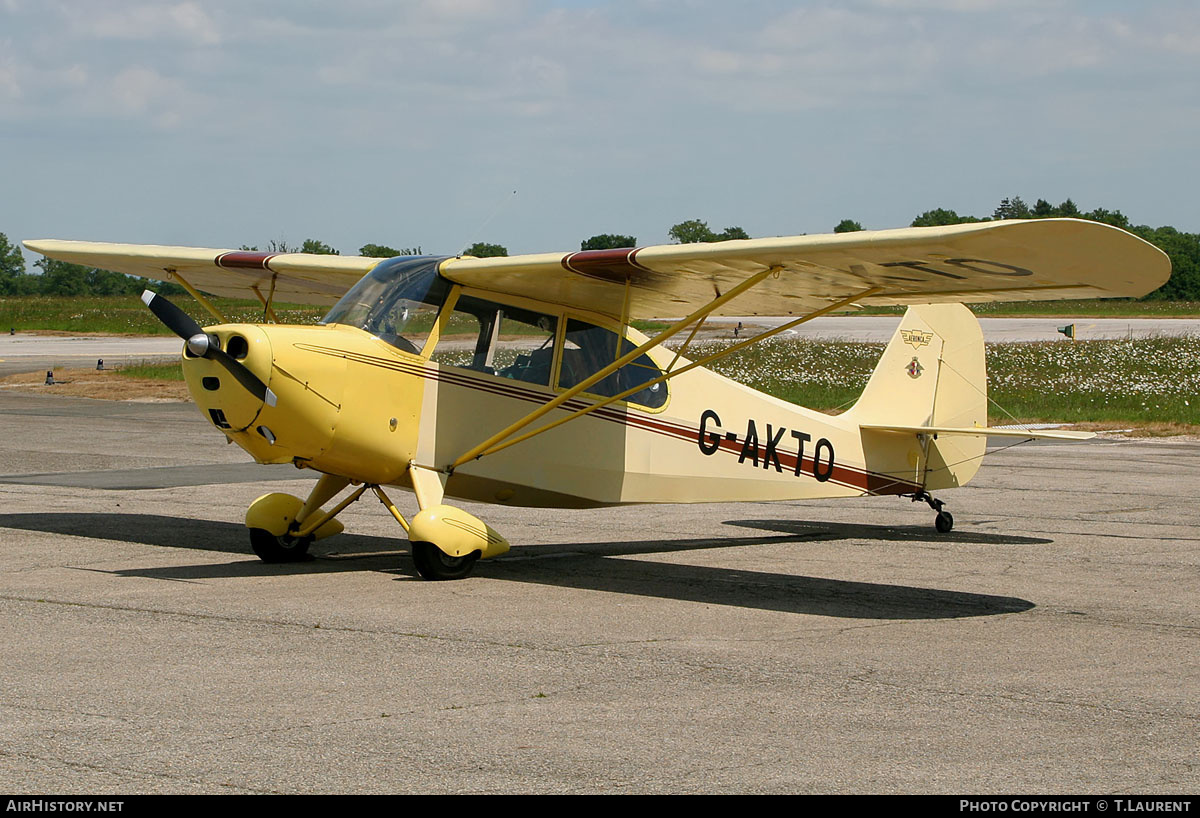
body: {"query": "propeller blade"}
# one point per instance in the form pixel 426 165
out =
pixel 243 375
pixel 205 346
pixel 175 319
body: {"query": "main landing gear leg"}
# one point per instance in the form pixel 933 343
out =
pixel 944 520
pixel 446 541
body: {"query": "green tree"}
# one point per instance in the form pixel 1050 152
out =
pixel 695 231
pixel 481 250
pixel 12 266
pixel 1184 252
pixel 1014 208
pixel 1114 217
pixel 107 282
pixel 608 241
pixel 383 251
pixel 273 246
pixel 317 248
pixel 62 277
pixel 847 226
pixel 940 217
pixel 1043 210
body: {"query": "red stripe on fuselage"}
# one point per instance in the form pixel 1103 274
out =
pixel 848 476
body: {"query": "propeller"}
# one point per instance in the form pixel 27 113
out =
pixel 204 345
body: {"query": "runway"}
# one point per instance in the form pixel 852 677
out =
pixel 29 352
pixel 1047 645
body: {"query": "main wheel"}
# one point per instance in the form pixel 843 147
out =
pixel 944 522
pixel 285 548
pixel 433 563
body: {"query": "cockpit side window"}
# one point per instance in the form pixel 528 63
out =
pixel 498 339
pixel 398 302
pixel 588 349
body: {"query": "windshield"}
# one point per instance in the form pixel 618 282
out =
pixel 398 301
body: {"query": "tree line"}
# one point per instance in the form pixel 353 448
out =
pixel 63 278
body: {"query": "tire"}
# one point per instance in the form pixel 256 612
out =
pixel 433 563
pixel 944 522
pixel 286 548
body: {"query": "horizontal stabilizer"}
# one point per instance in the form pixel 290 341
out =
pixel 1041 434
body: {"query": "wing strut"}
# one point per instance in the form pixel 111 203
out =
pixel 196 294
pixel 497 446
pixel 268 312
pixel 675 328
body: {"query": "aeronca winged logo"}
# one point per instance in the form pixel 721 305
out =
pixel 916 337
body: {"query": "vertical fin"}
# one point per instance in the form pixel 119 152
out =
pixel 932 373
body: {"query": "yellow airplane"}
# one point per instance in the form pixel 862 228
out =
pixel 520 381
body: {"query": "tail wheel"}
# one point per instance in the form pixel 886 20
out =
pixel 433 563
pixel 279 548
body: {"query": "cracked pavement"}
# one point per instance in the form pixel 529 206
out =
pixel 1048 644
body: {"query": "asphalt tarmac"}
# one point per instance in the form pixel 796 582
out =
pixel 1047 645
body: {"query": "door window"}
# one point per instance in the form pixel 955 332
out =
pixel 589 348
pixel 498 339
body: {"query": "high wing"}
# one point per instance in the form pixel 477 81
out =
pixel 1035 260
pixel 1015 260
pixel 298 278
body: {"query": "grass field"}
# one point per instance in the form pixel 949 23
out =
pixel 1145 381
pixel 171 371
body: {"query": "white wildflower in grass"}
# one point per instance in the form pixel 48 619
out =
pixel 1146 379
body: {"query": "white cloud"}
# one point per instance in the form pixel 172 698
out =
pixel 952 5
pixel 862 100
pixel 186 21
pixel 138 89
pixel 9 85
pixel 470 10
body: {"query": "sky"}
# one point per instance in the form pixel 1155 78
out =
pixel 539 123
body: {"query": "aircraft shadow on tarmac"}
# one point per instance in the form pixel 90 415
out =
pixel 605 566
